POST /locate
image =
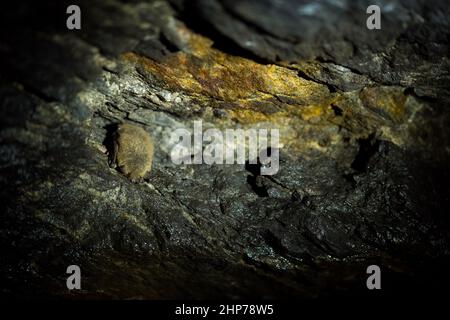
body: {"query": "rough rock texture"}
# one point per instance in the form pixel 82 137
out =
pixel 364 158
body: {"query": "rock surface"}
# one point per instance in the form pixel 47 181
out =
pixel 364 160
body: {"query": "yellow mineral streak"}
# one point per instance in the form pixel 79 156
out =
pixel 208 71
pixel 251 92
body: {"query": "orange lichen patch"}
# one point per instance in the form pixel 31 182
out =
pixel 207 71
pixel 386 101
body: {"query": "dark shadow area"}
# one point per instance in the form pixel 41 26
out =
pixel 108 142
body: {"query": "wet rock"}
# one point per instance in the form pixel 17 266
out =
pixel 364 149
